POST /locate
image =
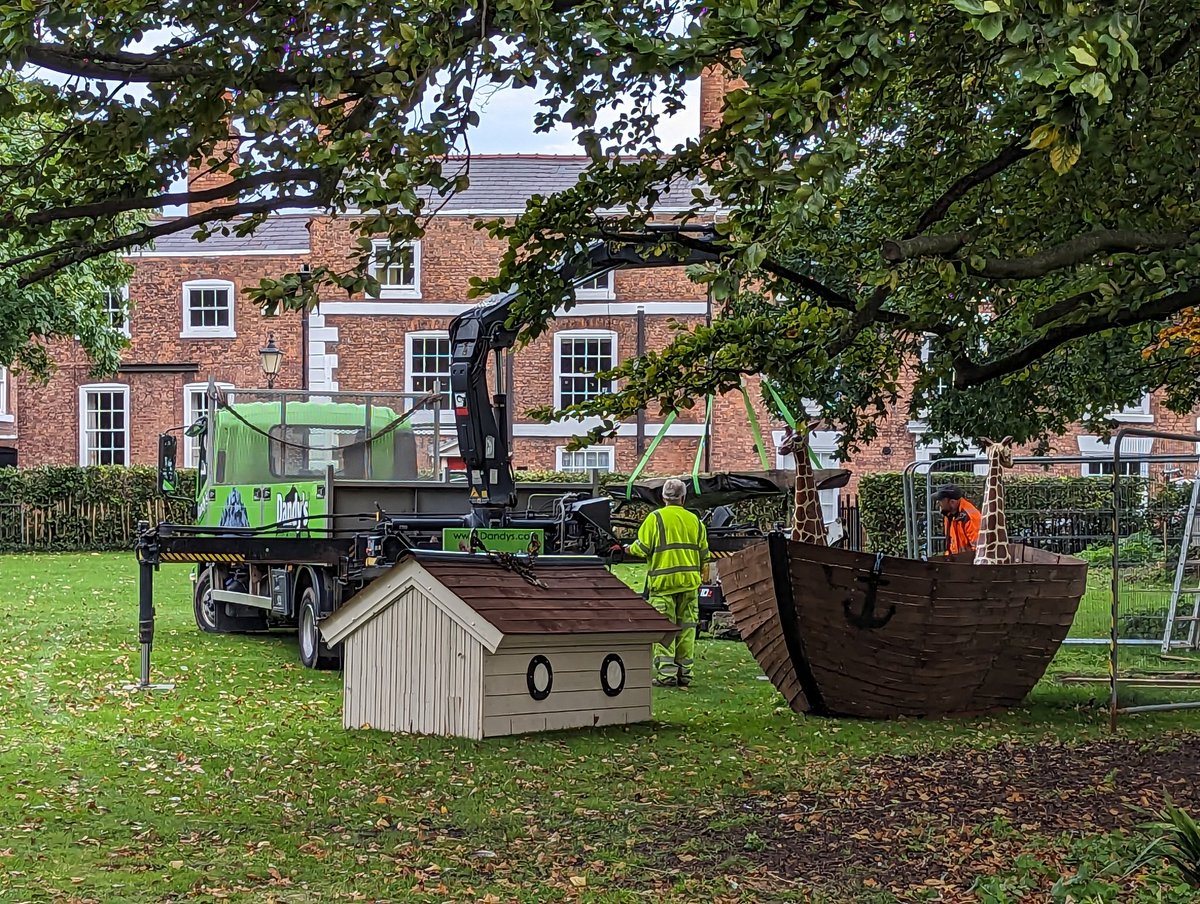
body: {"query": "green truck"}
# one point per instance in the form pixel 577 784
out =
pixel 301 502
pixel 287 466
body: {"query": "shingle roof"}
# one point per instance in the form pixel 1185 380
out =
pixel 285 235
pixel 576 599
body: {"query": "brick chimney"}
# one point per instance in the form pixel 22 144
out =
pixel 210 169
pixel 715 83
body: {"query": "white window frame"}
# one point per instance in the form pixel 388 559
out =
pixel 123 294
pixel 386 291
pixel 1132 447
pixel 823 444
pixel 209 332
pixel 189 460
pixel 581 334
pixel 1135 414
pixel 607 293
pixel 604 451
pixel 6 415
pixel 931 450
pixel 84 390
pixel 409 357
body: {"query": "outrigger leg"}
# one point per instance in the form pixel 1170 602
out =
pixel 148 561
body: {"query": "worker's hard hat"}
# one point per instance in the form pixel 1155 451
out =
pixel 949 491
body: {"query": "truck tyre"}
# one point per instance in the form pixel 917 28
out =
pixel 210 615
pixel 314 652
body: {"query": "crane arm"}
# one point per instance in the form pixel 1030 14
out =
pixel 482 420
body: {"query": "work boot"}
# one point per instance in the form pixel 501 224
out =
pixel 665 682
pixel 685 680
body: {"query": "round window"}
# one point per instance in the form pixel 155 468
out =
pixel 612 675
pixel 539 677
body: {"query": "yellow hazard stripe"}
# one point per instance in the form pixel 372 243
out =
pixel 201 557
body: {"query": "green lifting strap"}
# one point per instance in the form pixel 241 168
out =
pixel 755 428
pixel 703 442
pixel 637 472
pixel 791 421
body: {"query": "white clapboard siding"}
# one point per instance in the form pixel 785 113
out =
pixel 413 669
pixel 577 698
pixel 506 725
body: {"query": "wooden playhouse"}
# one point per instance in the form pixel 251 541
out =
pixel 446 644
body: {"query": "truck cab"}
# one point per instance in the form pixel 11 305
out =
pixel 284 464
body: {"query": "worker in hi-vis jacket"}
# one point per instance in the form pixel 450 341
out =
pixel 674 544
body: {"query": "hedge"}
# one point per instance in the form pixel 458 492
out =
pixel 1068 507
pixel 67 509
pixel 74 509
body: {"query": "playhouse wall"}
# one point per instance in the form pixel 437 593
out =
pixel 577 699
pixel 412 669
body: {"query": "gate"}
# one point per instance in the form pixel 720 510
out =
pixel 1154 643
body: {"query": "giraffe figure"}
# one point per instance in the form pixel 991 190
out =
pixel 808 525
pixel 992 547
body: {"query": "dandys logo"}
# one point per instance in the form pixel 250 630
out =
pixel 291 510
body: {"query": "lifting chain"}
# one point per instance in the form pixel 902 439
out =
pixel 521 566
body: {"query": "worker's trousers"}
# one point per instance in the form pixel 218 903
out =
pixel 674 660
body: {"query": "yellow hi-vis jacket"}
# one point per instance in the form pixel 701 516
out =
pixel 674 544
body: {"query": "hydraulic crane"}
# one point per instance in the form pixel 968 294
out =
pixel 482 418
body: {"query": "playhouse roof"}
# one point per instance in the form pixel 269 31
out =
pixel 489 601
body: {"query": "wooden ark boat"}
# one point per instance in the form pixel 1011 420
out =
pixel 845 633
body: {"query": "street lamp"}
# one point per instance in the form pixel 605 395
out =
pixel 272 360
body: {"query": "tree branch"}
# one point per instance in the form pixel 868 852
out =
pixel 1077 250
pixel 1066 254
pixel 75 253
pixel 898 251
pixel 967 373
pixel 114 206
pixel 1014 153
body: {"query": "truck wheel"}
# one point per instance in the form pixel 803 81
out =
pixel 314 652
pixel 210 615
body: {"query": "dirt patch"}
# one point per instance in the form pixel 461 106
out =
pixel 939 823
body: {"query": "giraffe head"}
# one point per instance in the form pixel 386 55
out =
pixel 795 440
pixel 998 453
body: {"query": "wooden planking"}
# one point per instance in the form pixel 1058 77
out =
pixel 566 659
pixel 580 680
pixel 750 593
pixel 592 700
pixel 557 721
pixel 413 669
pixel 962 638
pixel 577 680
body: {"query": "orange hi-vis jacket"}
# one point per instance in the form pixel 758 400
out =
pixel 962 530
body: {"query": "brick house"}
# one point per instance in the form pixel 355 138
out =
pixel 188 321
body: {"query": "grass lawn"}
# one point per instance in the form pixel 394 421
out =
pixel 241 784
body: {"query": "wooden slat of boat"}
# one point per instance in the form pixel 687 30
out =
pixel 748 588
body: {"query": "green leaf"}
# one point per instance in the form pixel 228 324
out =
pixel 1082 56
pixel 971 7
pixel 991 27
pixel 894 11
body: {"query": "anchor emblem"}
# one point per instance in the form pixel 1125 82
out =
pixel 866 619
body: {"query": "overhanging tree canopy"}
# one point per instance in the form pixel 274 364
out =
pixel 1017 180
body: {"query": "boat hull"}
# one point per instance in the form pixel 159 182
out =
pixel 848 633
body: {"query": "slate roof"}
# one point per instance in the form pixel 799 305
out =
pixel 281 234
pixel 505 182
pixel 577 599
pixel 501 183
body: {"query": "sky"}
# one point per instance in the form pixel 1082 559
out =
pixel 506 125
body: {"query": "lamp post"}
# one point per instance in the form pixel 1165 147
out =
pixel 272 360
